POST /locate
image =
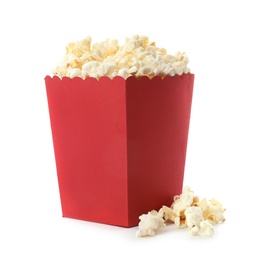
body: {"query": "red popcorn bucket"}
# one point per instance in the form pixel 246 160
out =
pixel 120 145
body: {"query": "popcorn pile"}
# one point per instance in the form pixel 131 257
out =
pixel 187 211
pixel 137 57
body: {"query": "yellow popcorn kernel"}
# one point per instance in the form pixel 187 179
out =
pixel 149 224
pixel 151 50
pixel 162 51
pixel 112 47
pixel 180 222
pixel 110 69
pixel 75 73
pixel 178 70
pixel 138 51
pixel 145 40
pixel 212 211
pixel 168 214
pixel 152 44
pixel 179 56
pixel 101 70
pixel 193 216
pixel 60 71
pixel 194 230
pixel 123 63
pixel 207 228
pixel 130 46
pixel 133 70
pixel 100 50
pixel 195 201
pixel 142 55
pixel 86 57
pixel 70 47
pixel 177 221
pixel 203 204
pixel 170 58
pixel 184 201
pixel 87 43
pixel 145 71
pixel 96 55
pixel 124 72
pixel 186 70
pixel 90 65
pixel 166 69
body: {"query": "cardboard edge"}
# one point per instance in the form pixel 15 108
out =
pixel 119 78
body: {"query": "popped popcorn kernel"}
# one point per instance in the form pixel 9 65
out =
pixel 212 211
pixel 180 222
pixel 183 201
pixel 168 213
pixel 194 230
pixel 193 216
pixel 137 57
pixel 75 72
pixel 150 223
pixel 187 211
pixel 207 228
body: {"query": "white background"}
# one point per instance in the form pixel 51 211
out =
pixel 221 39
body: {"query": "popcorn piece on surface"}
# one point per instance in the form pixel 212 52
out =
pixel 212 211
pixel 203 204
pixel 186 211
pixel 137 57
pixel 180 222
pixel 177 221
pixel 168 213
pixel 195 201
pixel 185 200
pixel 193 216
pixel 194 231
pixel 207 228
pixel 150 223
pixel 195 222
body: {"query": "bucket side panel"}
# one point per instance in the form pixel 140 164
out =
pixel 158 113
pixel 88 123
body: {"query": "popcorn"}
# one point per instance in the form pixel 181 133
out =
pixel 150 223
pixel 75 72
pixel 180 222
pixel 214 212
pixel 187 211
pixel 193 216
pixel 194 230
pixel 195 222
pixel 207 228
pixel 183 201
pixel 137 57
pixel 124 72
pixel 168 213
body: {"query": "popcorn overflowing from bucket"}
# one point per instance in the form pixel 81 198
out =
pixel 137 57
pixel 187 211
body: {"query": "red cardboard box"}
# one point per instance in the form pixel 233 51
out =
pixel 120 145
